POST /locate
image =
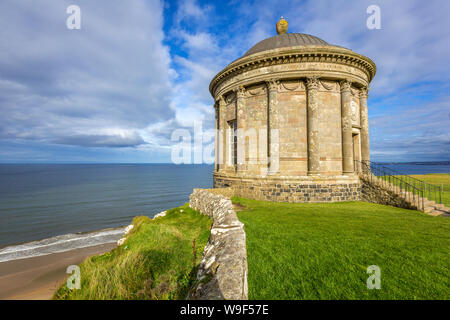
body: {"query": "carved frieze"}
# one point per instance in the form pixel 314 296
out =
pixel 256 90
pixel 344 59
pixel 329 85
pixel 292 85
pixel 300 70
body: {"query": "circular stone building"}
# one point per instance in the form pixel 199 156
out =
pixel 291 119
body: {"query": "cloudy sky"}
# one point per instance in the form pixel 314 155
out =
pixel 115 90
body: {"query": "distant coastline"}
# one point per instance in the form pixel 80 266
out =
pixel 419 163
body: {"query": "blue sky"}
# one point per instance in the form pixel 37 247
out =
pixel 115 90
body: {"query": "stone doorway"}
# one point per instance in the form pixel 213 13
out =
pixel 356 151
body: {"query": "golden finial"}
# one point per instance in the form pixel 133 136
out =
pixel 282 26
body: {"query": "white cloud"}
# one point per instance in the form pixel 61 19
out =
pixel 94 86
pixel 113 83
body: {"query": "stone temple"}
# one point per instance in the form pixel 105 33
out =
pixel 291 119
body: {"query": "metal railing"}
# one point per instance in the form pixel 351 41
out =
pixel 413 190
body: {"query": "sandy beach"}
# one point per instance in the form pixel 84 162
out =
pixel 37 278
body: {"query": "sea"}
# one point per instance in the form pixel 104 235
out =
pixel 48 208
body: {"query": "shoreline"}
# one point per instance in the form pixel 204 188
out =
pixel 60 243
pixel 76 233
pixel 37 278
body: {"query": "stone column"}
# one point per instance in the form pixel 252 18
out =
pixel 312 84
pixel 240 123
pixel 365 152
pixel 346 121
pixel 216 136
pixel 221 104
pixel 272 127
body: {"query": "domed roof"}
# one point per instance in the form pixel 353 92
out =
pixel 286 40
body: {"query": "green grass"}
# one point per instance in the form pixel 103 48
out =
pixel 155 262
pixel 438 179
pixel 322 251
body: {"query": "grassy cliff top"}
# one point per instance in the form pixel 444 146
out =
pixel 439 179
pixel 322 251
pixel 155 262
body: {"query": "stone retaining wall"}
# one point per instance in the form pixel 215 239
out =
pixel 292 191
pixel 373 192
pixel 222 272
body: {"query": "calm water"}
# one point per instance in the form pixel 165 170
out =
pixel 419 168
pixel 55 203
pixel 42 201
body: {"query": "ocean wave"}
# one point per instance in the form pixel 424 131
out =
pixel 60 243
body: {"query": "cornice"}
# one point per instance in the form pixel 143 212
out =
pixel 326 54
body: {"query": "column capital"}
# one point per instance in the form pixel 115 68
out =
pixel 345 85
pixel 273 84
pixel 220 101
pixel 364 92
pixel 240 92
pixel 312 82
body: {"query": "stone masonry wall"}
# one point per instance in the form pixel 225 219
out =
pixel 222 272
pixel 286 191
pixel 375 193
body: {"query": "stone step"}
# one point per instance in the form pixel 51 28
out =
pixel 435 213
pixel 442 213
pixel 444 209
pixel 415 200
pixel 428 209
pixel 434 206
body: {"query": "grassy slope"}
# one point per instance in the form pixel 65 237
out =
pixel 438 179
pixel 322 251
pixel 156 261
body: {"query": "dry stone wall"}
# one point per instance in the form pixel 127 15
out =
pixel 223 270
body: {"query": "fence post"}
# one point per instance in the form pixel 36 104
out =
pixel 423 203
